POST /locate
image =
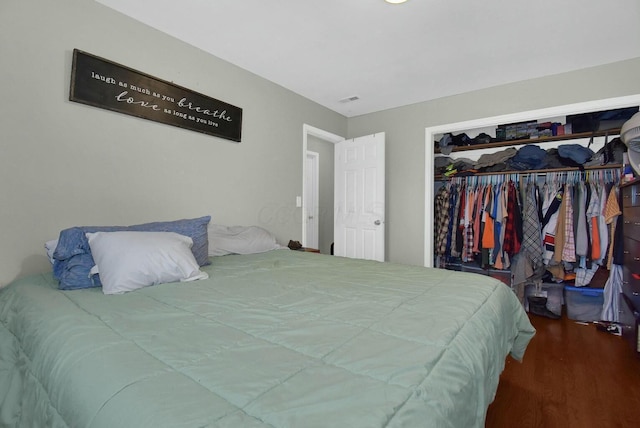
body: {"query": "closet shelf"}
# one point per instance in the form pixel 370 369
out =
pixel 532 141
pixel 440 177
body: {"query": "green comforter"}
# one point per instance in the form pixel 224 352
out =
pixel 279 339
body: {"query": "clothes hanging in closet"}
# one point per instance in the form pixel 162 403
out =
pixel 482 220
pixel 559 222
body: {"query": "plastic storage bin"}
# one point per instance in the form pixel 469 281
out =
pixel 553 292
pixel 584 303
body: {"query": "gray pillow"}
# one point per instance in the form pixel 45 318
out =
pixel 225 240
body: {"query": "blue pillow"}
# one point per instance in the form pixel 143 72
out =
pixel 73 260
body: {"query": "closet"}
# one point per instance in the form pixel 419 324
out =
pixel 470 217
pixel 489 123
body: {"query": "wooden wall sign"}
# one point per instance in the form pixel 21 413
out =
pixel 101 83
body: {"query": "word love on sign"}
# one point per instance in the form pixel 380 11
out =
pixel 105 84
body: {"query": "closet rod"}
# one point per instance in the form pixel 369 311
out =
pixel 441 177
pixel 610 175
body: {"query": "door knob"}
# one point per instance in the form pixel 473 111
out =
pixel 377 222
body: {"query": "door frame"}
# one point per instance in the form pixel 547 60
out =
pixel 431 132
pixel 308 130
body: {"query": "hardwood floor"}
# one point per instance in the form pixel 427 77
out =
pixel 572 375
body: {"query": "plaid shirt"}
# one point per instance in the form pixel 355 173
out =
pixel 532 240
pixel 441 215
pixel 569 248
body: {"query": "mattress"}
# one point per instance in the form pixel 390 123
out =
pixel 277 339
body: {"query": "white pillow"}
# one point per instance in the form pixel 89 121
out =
pixel 131 260
pixel 225 240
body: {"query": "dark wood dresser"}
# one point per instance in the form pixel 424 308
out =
pixel 630 296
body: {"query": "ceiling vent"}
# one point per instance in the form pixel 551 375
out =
pixel 350 99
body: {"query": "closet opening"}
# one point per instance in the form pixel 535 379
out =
pixel 434 133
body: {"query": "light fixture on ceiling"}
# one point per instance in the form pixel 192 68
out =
pixel 395 1
pixel 630 136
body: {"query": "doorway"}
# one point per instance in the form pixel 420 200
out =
pixel 312 197
pixel 351 213
pixel 321 143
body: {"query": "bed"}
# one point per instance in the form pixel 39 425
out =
pixel 274 339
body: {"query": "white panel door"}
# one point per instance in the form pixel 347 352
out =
pixel 360 198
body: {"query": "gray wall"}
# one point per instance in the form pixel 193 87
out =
pixel 405 136
pixel 64 164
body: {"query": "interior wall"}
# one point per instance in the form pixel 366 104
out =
pixel 326 183
pixel 66 164
pixel 405 136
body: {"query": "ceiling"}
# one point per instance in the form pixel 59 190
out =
pixel 392 55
